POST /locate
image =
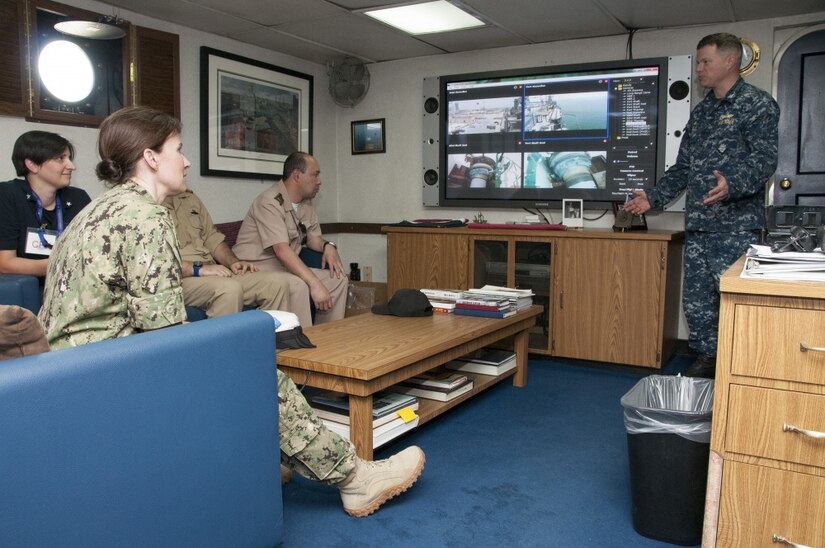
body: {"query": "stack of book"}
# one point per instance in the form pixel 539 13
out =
pixel 519 298
pixel 442 300
pixel 490 301
pixel 487 306
pixel 485 361
pixel 392 414
pixel 438 384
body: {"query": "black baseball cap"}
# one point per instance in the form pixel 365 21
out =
pixel 405 302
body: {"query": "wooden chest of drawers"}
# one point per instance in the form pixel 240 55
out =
pixel 766 479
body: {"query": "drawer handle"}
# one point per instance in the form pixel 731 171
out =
pixel 810 433
pixel 804 347
pixel 782 540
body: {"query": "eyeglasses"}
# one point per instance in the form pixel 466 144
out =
pixel 302 228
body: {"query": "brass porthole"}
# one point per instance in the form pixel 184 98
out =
pixel 750 56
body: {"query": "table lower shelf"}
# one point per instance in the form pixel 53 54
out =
pixel 430 409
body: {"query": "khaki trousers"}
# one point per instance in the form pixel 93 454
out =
pixel 221 296
pixel 299 298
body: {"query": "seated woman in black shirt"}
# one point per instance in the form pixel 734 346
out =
pixel 36 208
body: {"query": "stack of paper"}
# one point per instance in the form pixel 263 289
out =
pixel 762 263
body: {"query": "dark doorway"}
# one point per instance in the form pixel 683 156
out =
pixel 800 175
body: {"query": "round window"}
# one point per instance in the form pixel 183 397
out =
pixel 66 71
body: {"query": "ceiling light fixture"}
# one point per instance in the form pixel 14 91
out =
pixel 105 28
pixel 427 18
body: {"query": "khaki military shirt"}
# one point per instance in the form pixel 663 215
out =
pixel 271 220
pixel 197 236
pixel 115 271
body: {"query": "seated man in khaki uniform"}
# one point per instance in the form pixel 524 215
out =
pixel 213 277
pixel 279 223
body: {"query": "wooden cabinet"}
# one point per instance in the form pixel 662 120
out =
pixel 426 259
pixel 608 296
pixel 610 301
pixel 767 470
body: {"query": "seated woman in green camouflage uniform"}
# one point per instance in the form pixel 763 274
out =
pixel 117 271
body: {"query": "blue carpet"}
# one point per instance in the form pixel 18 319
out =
pixel 545 465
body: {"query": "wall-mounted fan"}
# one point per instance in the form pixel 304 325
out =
pixel 349 81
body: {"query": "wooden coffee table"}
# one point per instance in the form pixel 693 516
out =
pixel 366 353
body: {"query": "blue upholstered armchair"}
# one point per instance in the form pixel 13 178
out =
pixel 167 438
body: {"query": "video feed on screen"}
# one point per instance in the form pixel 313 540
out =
pixel 566 169
pixel 482 171
pixel 485 115
pixel 545 136
pixel 565 111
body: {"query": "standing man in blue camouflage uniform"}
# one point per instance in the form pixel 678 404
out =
pixel 727 154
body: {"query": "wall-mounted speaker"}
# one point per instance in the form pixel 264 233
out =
pixel 679 84
pixel 430 175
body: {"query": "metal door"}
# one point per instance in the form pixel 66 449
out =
pixel 800 91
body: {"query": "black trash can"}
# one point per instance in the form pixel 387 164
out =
pixel 668 442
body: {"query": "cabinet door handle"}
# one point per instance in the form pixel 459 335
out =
pixel 804 347
pixel 810 433
pixel 782 540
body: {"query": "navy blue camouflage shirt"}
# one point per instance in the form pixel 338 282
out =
pixel 736 135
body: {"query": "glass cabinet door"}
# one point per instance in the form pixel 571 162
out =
pixel 490 262
pixel 532 271
pixel 522 264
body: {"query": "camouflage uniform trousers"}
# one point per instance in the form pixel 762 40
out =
pixel 307 446
pixel 707 256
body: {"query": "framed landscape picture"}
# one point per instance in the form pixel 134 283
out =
pixel 368 136
pixel 253 115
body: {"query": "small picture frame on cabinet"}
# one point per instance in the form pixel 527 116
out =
pixel 572 213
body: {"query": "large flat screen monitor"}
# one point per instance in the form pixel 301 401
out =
pixel 531 137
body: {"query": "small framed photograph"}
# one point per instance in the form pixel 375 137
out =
pixel 368 136
pixel 572 213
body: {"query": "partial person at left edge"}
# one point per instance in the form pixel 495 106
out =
pixel 36 207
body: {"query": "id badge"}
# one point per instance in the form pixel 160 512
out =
pixel 33 244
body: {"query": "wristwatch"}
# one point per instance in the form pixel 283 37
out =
pixel 326 243
pixel 196 268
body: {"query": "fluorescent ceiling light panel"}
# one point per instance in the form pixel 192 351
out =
pixel 426 18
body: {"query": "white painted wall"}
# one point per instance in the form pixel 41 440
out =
pixel 378 188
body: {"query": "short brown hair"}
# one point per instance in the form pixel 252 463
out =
pixel 125 134
pixel 725 42
pixel 296 160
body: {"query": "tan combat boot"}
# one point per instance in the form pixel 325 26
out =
pixel 372 483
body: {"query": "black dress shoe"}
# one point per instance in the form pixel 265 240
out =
pixel 703 366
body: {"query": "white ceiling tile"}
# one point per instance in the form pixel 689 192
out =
pixel 269 13
pixel 767 9
pixel 363 37
pixel 549 20
pixel 187 15
pixel 643 14
pixel 272 39
pixel 472 39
